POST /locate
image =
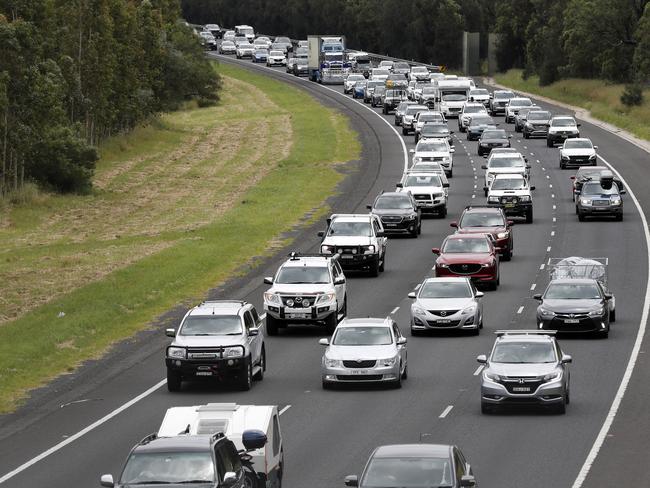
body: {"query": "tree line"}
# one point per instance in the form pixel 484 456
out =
pixel 73 72
pixel 607 39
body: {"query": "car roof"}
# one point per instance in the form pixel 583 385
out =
pixel 369 321
pixel 514 337
pixel 456 279
pixel 226 307
pixel 509 176
pixel 578 139
pixel 400 194
pixel 313 261
pixel 558 117
pixel 485 209
pixel 574 281
pixel 475 235
pixel 351 217
pixel 181 443
pixel 413 450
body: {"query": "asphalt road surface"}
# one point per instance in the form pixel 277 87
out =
pixel 329 434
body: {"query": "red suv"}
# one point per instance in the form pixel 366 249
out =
pixel 488 220
pixel 469 255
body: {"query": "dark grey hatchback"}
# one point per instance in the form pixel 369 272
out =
pixel 415 466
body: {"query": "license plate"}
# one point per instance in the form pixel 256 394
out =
pixel 571 321
pixel 346 256
pixel 204 373
pixel 390 225
pixel 521 389
pixel 509 205
pixel 359 371
pixel 443 321
pixel 299 315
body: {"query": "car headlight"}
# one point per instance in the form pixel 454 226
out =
pixel 326 297
pixel 598 312
pixel 325 249
pixel 272 298
pixel 491 376
pixel 442 265
pixel 502 235
pixel 176 352
pixel 529 125
pixel 417 310
pixel 524 198
pixel 368 249
pixel 586 202
pixel 417 159
pixel 332 363
pixel 469 310
pixel 388 361
pixel 546 313
pixel 233 352
pixel 592 157
pixel 565 158
pixel 493 199
pixel 555 375
pixel 615 201
pixel 487 265
pixel 411 217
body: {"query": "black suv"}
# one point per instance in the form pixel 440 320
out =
pixel 491 138
pixel 201 460
pixel 398 213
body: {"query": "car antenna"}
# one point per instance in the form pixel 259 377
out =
pixel 185 431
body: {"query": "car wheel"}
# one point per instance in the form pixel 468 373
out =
pixel 604 335
pixel 419 227
pixel 486 408
pixel 529 216
pixel 405 374
pixel 549 143
pixel 612 315
pixel 560 408
pixel 330 323
pixel 382 266
pixel 581 217
pixel 476 331
pixel 507 256
pixel 567 397
pixel 259 376
pixel 374 269
pixel 327 385
pixel 404 131
pixel 415 333
pixel 271 325
pixel 450 174
pixel 485 191
pixel 174 381
pixel 247 381
pixel 619 217
pixel 480 324
pixel 344 310
pixel 397 384
pixel 526 136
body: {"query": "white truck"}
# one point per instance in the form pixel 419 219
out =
pixel 232 420
pixel 451 95
pixel 246 30
pixel 327 60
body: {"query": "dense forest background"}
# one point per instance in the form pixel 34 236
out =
pixel 607 39
pixel 73 72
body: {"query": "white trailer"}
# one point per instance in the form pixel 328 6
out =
pixel 233 420
pixel 451 95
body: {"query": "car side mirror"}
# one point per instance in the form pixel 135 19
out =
pixel 479 294
pixel 528 166
pixel 566 359
pixel 369 207
pixel 608 296
pixel 412 151
pixel 170 332
pixel 532 188
pixel 484 166
pixel 324 342
pixel 622 192
pixel 595 147
pixel 538 297
pixel 399 185
pixel 572 177
pixel 578 125
pixel 268 280
pixel 451 131
pixel 229 479
pixel 509 136
pixel 381 234
pixel 401 341
pixel 107 480
pixel 481 358
pixel 339 281
pixel 510 223
pixel 435 250
pixel 253 331
pixel 351 480
pixel 485 156
pixel 453 224
pixel 321 233
pixel 412 295
pixel 467 480
pixel 452 150
pixel 446 185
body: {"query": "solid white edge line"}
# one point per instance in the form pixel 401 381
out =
pixel 541 266
pixel 284 409
pixel 478 370
pixel 82 432
pixel 620 393
pixel 445 412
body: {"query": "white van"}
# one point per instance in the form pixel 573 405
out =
pixel 233 420
pixel 247 30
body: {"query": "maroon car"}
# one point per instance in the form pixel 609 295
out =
pixel 469 255
pixel 488 220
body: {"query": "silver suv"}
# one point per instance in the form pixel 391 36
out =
pixel 218 339
pixel 525 367
pixel 307 288
pixel 446 303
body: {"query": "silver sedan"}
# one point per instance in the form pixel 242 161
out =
pixel 365 350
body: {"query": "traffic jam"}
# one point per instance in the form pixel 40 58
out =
pixel 443 117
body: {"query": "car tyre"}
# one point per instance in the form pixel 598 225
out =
pixel 246 382
pixel 581 217
pixel 331 322
pixel 327 385
pixel 174 381
pixel 259 376
pixel 486 408
pixel 529 216
pixel 272 325
pixel 549 143
pixel 560 409
pixel 612 315
pixel 526 136
pixel 404 131
pixel 397 384
pixel 619 218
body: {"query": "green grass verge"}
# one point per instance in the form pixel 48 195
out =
pixel 602 99
pixel 40 345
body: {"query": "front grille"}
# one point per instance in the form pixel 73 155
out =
pixel 578 316
pixel 451 323
pixel 433 158
pixel 579 159
pixel 521 385
pixel 539 126
pixel 366 363
pixel 359 377
pixel 204 352
pixel 443 313
pixel 509 199
pixel 298 301
pixel 600 203
pixel 391 219
pixel 348 250
pixel 466 269
pixel 422 196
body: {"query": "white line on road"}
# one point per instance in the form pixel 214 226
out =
pixel 554 219
pixel 418 286
pixel 548 249
pixel 446 411
pixel 548 177
pixel 533 286
pixel 520 309
pixel 554 207
pixel 478 370
pixel 552 195
pixel 473 196
pixel 553 232
pixel 551 186
pixel 394 310
pixel 542 266
pixel 284 409
pixel 538 160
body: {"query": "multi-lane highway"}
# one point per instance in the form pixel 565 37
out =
pixel 329 434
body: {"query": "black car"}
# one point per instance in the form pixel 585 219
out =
pixel 415 466
pixel 574 305
pixel 477 124
pixel 398 212
pixel 492 138
pixel 376 100
pixel 434 130
pixel 392 98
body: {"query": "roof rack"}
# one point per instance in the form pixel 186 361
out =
pixel 295 256
pixel 148 439
pixel 469 207
pixel 500 333
pixel 210 302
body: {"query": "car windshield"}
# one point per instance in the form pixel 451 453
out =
pixel 419 69
pixel 362 336
pixel 509 184
pixel 302 62
pixel 506 162
pixel 523 102
pixel 276 53
pixel 413 109
pixel 523 353
pixel 361 84
pixel 167 468
pixel 396 77
pixel 431 146
pixel 355 77
pixel 429 180
pixel 293 275
pixel 445 289
pixel 284 40
pixel 570 291
pixel 375 83
pixel 401 66
pixel 339 228
pixel 594 188
pixel 475 219
pixel 211 325
pixel 563 123
pixel 479 91
pixel 428 90
pixel 227 43
pixel 503 95
pixel 412 472
pixel 393 201
pixel 454 97
pixel 539 115
pixel 494 134
pixel 479 120
pixel 435 129
pixel 463 245
pixel 577 144
pixel 473 109
pixel 261 51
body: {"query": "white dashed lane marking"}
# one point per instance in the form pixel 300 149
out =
pixel 446 411
pixel 520 309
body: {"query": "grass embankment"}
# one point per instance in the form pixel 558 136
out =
pixel 602 99
pixel 179 206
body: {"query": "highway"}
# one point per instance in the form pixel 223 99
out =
pixel 329 434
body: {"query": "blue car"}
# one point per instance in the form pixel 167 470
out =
pixel 359 89
pixel 260 55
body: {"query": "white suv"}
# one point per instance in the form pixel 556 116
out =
pixel 560 129
pixel 358 239
pixel 513 106
pixel 469 109
pixel 577 152
pixel 435 150
pixel 307 288
pixel 512 193
pixel 429 190
pixel 504 163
